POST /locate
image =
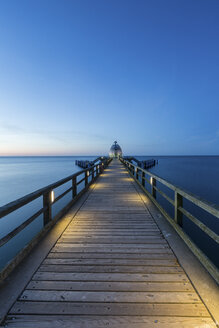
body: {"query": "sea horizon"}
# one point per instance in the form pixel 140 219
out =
pixel 107 155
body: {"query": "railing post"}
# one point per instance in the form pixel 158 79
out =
pixel 92 173
pixel 47 215
pixel 74 187
pixel 143 179
pixel 153 190
pixel 86 174
pixel 178 203
pixel 136 173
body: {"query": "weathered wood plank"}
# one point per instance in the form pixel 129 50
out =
pixel 113 246
pixel 109 233
pixel 111 286
pixel 114 255
pixel 104 261
pixel 118 225
pixel 110 268
pixel 80 308
pixel 82 214
pixel 85 321
pixel 111 227
pixel 113 240
pixel 67 276
pixel 124 209
pixel 112 297
pixel 109 249
pixel 132 221
pixel 125 225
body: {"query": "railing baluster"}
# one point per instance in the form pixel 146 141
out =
pixel 74 187
pixel 178 203
pixel 86 177
pixel 137 173
pixel 143 179
pixel 47 215
pixel 153 184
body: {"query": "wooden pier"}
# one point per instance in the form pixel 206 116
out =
pixel 111 267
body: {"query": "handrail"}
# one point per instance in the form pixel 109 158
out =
pixel 12 206
pixel 179 211
pixel 204 204
pixel 47 194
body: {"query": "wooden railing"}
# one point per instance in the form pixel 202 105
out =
pixel 143 176
pixel 48 199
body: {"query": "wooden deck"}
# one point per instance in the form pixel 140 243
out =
pixel 111 267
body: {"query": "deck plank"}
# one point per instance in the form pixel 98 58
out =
pixel 106 308
pixel 110 286
pixel 69 321
pixel 111 297
pixel 89 276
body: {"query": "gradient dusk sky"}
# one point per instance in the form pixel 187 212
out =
pixel 75 75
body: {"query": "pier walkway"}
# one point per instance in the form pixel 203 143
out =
pixel 111 267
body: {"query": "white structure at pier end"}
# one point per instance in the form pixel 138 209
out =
pixel 115 150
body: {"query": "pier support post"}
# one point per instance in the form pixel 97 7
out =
pixel 137 173
pixel 178 203
pixel 143 179
pixel 101 168
pixel 153 190
pixel 86 174
pixel 74 187
pixel 47 215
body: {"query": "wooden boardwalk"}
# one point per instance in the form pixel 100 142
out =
pixel 111 267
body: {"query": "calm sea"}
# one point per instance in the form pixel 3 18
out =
pixel 200 176
pixel 22 175
pixel 197 174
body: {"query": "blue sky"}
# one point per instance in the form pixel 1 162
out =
pixel 77 75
